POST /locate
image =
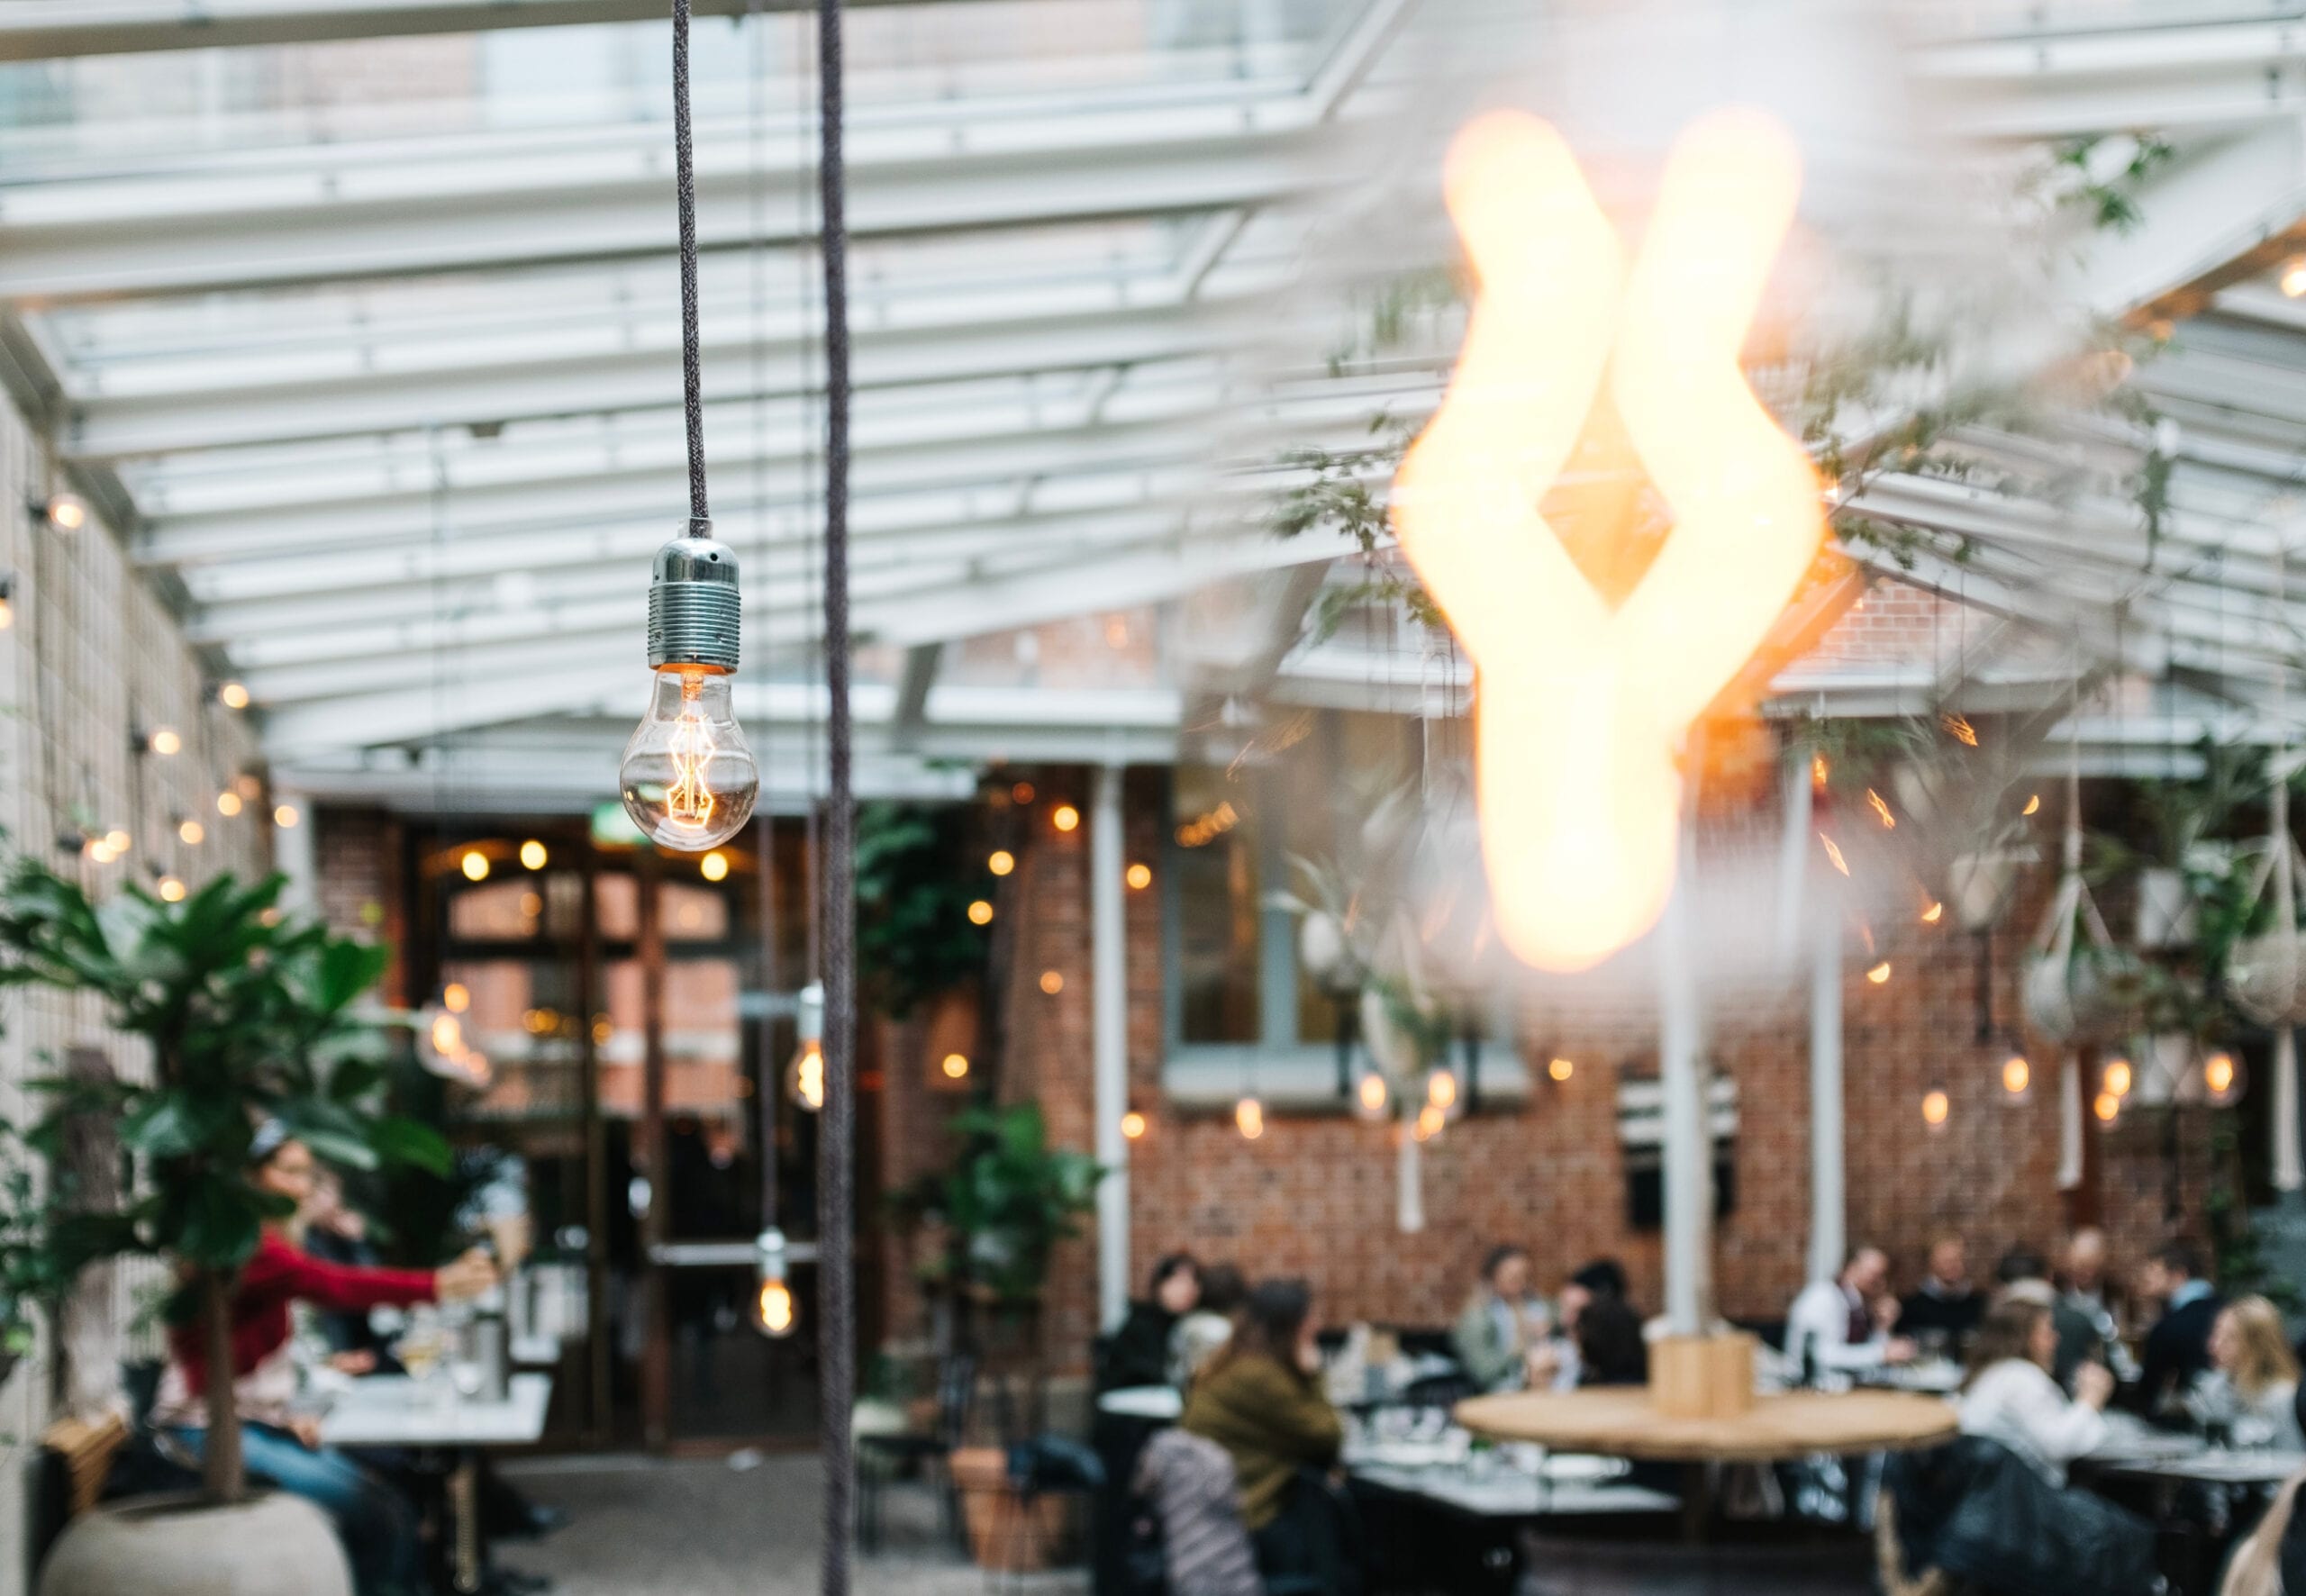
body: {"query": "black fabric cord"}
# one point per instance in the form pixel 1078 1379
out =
pixel 837 1264
pixel 691 360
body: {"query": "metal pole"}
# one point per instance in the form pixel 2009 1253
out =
pixel 1829 1198
pixel 1688 1171
pixel 1110 1040
pixel 837 1126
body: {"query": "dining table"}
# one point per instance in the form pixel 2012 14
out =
pixel 434 1416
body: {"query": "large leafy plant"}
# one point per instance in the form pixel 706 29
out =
pixel 250 1016
pixel 1006 1203
pixel 914 885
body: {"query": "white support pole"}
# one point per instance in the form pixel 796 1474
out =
pixel 2288 1175
pixel 1109 1039
pixel 1688 1173
pixel 1829 1211
pixel 293 857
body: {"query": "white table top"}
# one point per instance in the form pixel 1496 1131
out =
pixel 2209 1466
pixel 1512 1493
pixel 1144 1402
pixel 393 1410
pixel 536 1350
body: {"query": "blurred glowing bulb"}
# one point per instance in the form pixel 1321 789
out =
pixel 1371 1093
pixel 2033 804
pixel 1001 862
pixel 688 778
pixel 1248 1119
pixel 2218 1074
pixel 474 865
pixel 286 817
pixel 1441 1089
pixel 2017 1074
pixel 1561 1069
pixel 1430 1120
pixel 1064 817
pixel 1052 983
pixel 805 1077
pixel 1935 1107
pixel 1879 973
pixel 171 890
pixel 1141 876
pixel 1934 913
pixel 448 1035
pixel 65 511
pixel 713 866
pixel 455 997
pixel 192 831
pixel 1584 697
pixel 774 1314
pixel 2108 1108
pixel 116 839
pixel 232 696
pixel 2117 1077
pixel 2293 276
pixel 534 854
pixel 1819 770
pixel 1132 1126
pixel 955 1065
pixel 228 804
pixel 980 912
pixel 102 852
pixel 164 741
pixel 1023 792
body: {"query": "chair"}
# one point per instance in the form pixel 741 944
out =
pixel 923 1452
pixel 1976 1515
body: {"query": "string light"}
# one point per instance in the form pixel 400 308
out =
pixel 1064 817
pixel 1052 983
pixel 2033 804
pixel 981 912
pixel 1879 973
pixel 193 832
pixel 286 817
pixel 232 696
pixel 2017 1074
pixel 474 865
pixel 805 1075
pixel 2293 276
pixel 1430 1121
pixel 1370 1095
pixel 65 512
pixel 2108 1108
pixel 1140 876
pixel 1248 1119
pixel 164 741
pixel 116 839
pixel 774 1314
pixel 955 1065
pixel 228 804
pixel 1935 1106
pixel 171 890
pixel 1934 913
pixel 534 854
pixel 713 866
pixel 1132 1126
pixel 455 997
pixel 1561 1069
pixel 101 851
pixel 1001 861
pixel 2117 1079
pixel 2221 1077
pixel 1441 1089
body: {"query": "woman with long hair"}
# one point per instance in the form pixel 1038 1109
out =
pixel 1260 1398
pixel 2252 1386
pixel 2010 1397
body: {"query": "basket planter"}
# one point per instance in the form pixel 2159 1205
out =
pixel 2266 978
pixel 2166 916
pixel 273 1544
pixel 1009 1531
pixel 2091 995
pixel 1979 885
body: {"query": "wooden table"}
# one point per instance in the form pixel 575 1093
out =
pixel 1617 1421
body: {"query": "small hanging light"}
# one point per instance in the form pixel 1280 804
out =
pixel 805 1076
pixel 774 1312
pixel 1936 1108
pixel 2221 1078
pixel 2017 1076
pixel 2117 1077
pixel 1133 1126
pixel 1371 1096
pixel 1248 1117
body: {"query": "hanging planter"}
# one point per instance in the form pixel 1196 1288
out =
pixel 1978 886
pixel 2266 973
pixel 2167 909
pixel 2080 987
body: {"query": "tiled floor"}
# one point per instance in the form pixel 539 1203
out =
pixel 649 1528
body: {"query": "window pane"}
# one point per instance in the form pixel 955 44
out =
pixel 1216 907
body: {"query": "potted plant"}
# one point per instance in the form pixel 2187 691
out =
pixel 1004 1206
pixel 248 1016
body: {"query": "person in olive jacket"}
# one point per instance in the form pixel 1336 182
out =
pixel 1260 1398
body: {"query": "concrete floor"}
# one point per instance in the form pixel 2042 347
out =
pixel 646 1527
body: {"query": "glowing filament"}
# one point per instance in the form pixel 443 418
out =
pixel 689 803
pixel 1581 707
pixel 1881 810
pixel 1834 853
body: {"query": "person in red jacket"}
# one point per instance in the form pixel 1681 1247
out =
pixel 376 1522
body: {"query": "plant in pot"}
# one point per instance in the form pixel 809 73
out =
pixel 1005 1203
pixel 248 1016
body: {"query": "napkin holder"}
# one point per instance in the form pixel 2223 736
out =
pixel 1702 1376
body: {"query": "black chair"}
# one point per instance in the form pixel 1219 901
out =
pixel 921 1454
pixel 1974 1512
pixel 1314 1546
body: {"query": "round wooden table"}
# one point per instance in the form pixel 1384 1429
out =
pixel 1617 1421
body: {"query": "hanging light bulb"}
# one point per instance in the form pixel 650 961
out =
pixel 1248 1117
pixel 2108 1108
pixel 1371 1096
pixel 232 696
pixel 688 778
pixel 805 1076
pixel 442 1048
pixel 1430 1120
pixel 64 511
pixel 1133 1126
pixel 774 1312
pixel 2017 1076
pixel 2221 1078
pixel 1561 1069
pixel 1936 1108
pixel 2119 1077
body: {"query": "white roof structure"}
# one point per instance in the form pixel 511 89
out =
pixel 358 320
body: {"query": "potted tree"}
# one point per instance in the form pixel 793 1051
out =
pixel 1005 1204
pixel 248 1015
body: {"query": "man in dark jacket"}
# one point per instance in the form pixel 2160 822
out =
pixel 1947 1306
pixel 2177 1348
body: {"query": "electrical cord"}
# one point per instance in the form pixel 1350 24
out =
pixel 692 356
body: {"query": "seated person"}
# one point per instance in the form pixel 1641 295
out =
pixel 1839 1325
pixel 1946 1307
pixel 2024 1272
pixel 2251 1389
pixel 376 1523
pixel 1138 1352
pixel 335 1232
pixel 1495 1337
pixel 1199 1333
pixel 2177 1348
pixel 2010 1397
pixel 1611 1350
pixel 1260 1398
pixel 1554 1362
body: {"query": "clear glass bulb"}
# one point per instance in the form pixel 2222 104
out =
pixel 688 779
pixel 774 1314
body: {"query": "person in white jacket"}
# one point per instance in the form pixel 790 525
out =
pixel 2010 1396
pixel 1842 1325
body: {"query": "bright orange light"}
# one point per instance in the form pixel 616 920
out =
pixel 713 866
pixel 689 803
pixel 955 1065
pixel 1881 810
pixel 286 817
pixel 1140 876
pixel 233 696
pixel 1819 770
pixel 474 865
pixel 1581 706
pixel 1052 983
pixel 171 890
pixel 980 912
pixel 1248 1119
pixel 228 804
pixel 1001 862
pixel 773 1309
pixel 192 831
pixel 1064 817
pixel 2117 1077
pixel 1959 729
pixel 1935 1107
pixel 2108 1108
pixel 1132 1126
pixel 534 854
pixel 1561 1069
pixel 1934 913
pixel 808 1082
pixel 1441 1089
pixel 1833 854
pixel 2033 804
pixel 456 998
pixel 1879 973
pixel 2217 1073
pixel 2017 1074
pixel 1372 1092
pixel 1430 1120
